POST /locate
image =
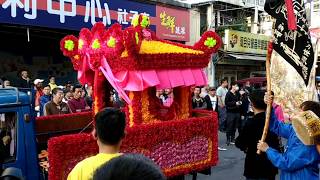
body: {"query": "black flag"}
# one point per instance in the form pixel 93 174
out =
pixel 294 46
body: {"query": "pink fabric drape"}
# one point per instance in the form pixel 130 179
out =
pixel 142 79
pixel 107 72
pixel 162 79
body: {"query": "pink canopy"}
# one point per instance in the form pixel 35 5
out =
pixel 139 80
pixel 162 79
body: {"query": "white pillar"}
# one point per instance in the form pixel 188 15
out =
pixel 211 18
pixel 218 18
pixel 194 26
pixel 255 21
pixel 213 69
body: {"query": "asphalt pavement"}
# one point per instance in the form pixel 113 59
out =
pixel 230 166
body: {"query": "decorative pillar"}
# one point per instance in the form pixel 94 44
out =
pixel 183 98
pixel 101 92
pixel 134 110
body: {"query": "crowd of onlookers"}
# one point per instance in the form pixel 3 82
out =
pixel 243 108
pixel 53 99
pixel 230 101
pixel 240 107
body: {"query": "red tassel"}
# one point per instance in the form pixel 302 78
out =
pixel 292 23
pixel 270 47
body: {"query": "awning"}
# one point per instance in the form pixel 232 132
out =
pixel 247 57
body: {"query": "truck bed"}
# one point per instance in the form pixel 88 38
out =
pixel 57 125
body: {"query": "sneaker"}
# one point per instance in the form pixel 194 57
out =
pixel 232 143
pixel 222 149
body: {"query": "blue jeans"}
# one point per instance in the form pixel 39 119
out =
pixel 222 118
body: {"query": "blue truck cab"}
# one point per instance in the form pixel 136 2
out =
pixel 18 147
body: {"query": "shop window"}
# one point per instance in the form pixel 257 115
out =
pixel 8 138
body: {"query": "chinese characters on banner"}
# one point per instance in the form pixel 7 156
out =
pixel 173 24
pixel 71 14
pixel 294 46
pixel 237 41
pixel 169 23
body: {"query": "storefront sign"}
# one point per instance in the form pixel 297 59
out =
pixel 173 24
pixel 237 41
pixel 169 23
pixel 315 13
pixel 72 14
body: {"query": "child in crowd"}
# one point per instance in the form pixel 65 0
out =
pixel 256 166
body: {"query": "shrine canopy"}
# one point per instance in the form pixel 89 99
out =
pixel 134 59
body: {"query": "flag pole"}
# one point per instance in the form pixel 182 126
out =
pixel 269 106
pixel 268 75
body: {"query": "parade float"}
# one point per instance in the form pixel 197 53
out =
pixel 135 63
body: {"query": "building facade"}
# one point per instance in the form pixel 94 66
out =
pixel 33 29
pixel 239 23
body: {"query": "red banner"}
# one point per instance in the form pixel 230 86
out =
pixel 172 24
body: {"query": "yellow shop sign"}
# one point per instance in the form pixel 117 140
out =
pixel 238 41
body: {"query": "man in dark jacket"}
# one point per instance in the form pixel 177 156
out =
pixel 233 104
pixel 244 108
pixel 197 101
pixel 24 80
pixel 257 166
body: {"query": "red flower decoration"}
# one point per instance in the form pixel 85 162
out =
pixel 76 61
pixel 85 38
pixel 208 49
pixel 192 143
pixel 98 28
pixel 69 46
pixel 133 38
pixel 113 41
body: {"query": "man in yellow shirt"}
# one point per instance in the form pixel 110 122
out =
pixel 109 132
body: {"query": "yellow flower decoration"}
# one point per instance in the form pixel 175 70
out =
pixel 145 21
pixel 135 20
pixel 158 47
pixel 137 37
pixel 80 45
pixel 210 42
pixel 95 44
pixel 69 45
pixel 111 42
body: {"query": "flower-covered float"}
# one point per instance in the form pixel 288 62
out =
pixel 136 63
